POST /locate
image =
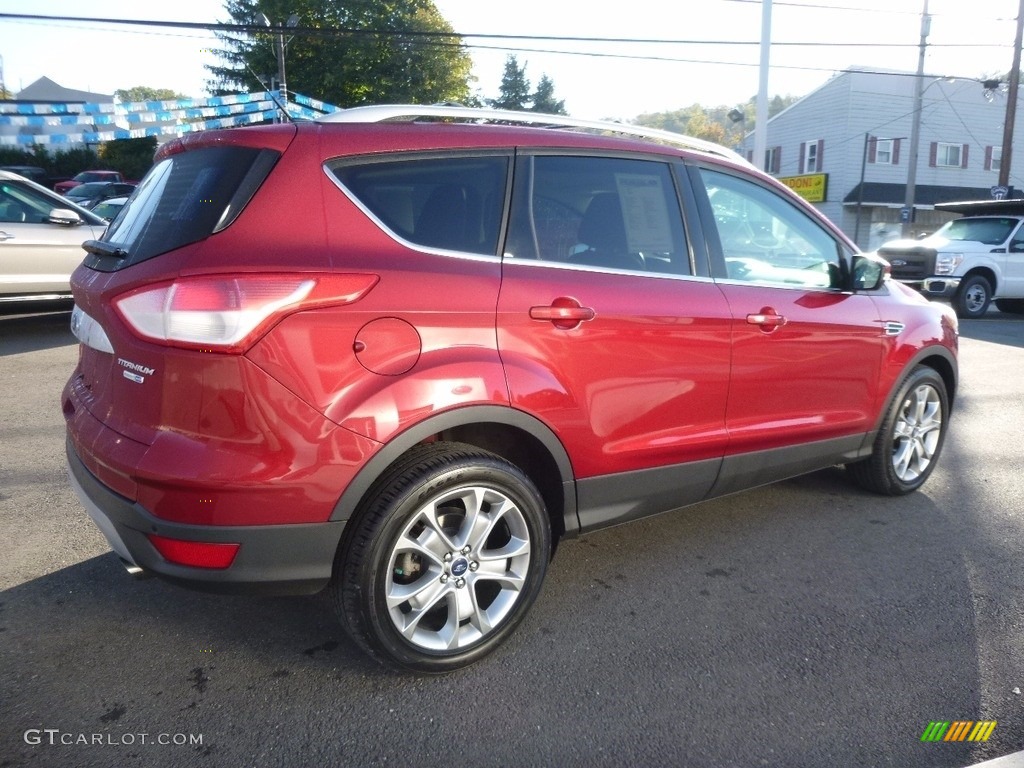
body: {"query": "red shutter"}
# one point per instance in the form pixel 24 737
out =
pixel 988 158
pixel 895 151
pixel 821 155
pixel 872 149
pixel 963 156
pixel 803 155
pixel 933 154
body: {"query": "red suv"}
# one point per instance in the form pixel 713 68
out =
pixel 399 359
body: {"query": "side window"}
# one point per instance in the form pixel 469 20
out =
pixel 602 212
pixel 22 204
pixel 451 203
pixel 766 239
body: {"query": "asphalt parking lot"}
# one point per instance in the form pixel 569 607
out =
pixel 803 624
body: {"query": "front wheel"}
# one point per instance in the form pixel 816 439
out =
pixel 972 299
pixel 445 559
pixel 910 439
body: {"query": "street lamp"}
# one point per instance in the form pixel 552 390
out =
pixel 280 47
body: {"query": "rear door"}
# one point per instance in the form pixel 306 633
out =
pixel 806 352
pixel 610 333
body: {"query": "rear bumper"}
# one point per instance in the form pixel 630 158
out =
pixel 271 559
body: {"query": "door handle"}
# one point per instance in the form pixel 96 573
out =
pixel 5 236
pixel 564 312
pixel 768 319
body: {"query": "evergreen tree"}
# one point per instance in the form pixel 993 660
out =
pixel 544 98
pixel 346 52
pixel 515 88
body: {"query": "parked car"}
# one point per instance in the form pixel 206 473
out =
pixel 41 235
pixel 90 193
pixel 400 360
pixel 109 208
pixel 62 187
pixel 30 172
pixel 969 261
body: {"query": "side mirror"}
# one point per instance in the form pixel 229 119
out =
pixel 869 272
pixel 63 216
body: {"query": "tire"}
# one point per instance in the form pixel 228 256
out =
pixel 910 439
pixel 972 299
pixel 1010 306
pixel 445 559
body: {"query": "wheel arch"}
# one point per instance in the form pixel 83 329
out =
pixel 986 272
pixel 514 435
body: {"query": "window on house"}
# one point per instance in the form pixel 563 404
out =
pixel 812 156
pixel 773 159
pixel 995 158
pixel 884 152
pixel 948 155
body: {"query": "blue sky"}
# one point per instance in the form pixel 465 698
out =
pixel 618 80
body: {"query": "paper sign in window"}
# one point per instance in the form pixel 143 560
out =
pixel 644 213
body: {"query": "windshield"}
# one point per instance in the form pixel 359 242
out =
pixel 990 230
pixel 87 190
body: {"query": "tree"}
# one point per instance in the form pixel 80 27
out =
pixel 132 157
pixel 347 52
pixel 145 93
pixel 515 88
pixel 544 98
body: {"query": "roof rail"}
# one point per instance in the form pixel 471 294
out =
pixel 409 112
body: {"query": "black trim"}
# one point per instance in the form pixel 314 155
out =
pixel 613 499
pixel 461 417
pixel 749 470
pixel 272 559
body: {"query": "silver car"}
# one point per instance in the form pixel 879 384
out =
pixel 41 236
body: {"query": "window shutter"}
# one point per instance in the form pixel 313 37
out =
pixel 776 159
pixel 963 156
pixel 895 151
pixel 821 155
pixel 988 158
pixel 803 156
pixel 872 149
pixel 933 154
pixel 750 155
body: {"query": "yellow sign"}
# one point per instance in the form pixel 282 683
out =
pixel 812 187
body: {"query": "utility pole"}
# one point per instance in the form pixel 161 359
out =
pixel 1011 103
pixel 761 113
pixel 915 129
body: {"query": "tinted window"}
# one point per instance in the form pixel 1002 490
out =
pixel 767 239
pixel 601 212
pixel 990 230
pixel 452 203
pixel 187 197
pixel 20 202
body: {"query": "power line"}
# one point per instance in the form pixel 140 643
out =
pixel 252 29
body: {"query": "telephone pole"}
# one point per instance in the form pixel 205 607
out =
pixel 1011 103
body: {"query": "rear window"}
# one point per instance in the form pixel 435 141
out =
pixel 451 203
pixel 186 198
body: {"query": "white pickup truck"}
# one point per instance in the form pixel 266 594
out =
pixel 969 261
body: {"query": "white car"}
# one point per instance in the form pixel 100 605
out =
pixel 41 236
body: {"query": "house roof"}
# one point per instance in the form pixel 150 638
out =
pixel 879 193
pixel 45 89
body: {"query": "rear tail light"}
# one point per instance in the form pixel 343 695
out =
pixel 197 554
pixel 229 313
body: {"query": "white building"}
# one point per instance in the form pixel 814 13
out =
pixel 846 148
